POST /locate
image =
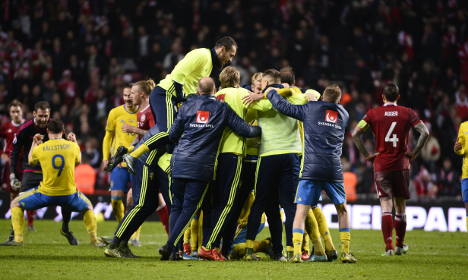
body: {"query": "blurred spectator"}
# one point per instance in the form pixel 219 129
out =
pixel 79 54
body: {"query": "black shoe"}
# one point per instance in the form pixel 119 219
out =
pixel 117 158
pixel 164 252
pixel 11 237
pixel 175 256
pixel 125 250
pixel 331 255
pixel 70 238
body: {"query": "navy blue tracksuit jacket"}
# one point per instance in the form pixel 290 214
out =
pixel 198 129
pixel 324 130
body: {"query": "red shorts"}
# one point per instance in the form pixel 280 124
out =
pixel 392 183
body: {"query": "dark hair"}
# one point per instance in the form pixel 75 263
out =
pixel 274 74
pixel 227 42
pixel 15 103
pixel 391 92
pixel 43 105
pixel 55 126
pixel 287 75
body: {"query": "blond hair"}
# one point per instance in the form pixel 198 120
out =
pixel 229 77
pixel 256 76
pixel 145 85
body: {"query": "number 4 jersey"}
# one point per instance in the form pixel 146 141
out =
pixel 391 125
pixel 57 158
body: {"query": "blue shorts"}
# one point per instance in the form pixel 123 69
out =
pixel 33 199
pixel 308 192
pixel 464 190
pixel 120 179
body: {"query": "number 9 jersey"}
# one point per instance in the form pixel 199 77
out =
pixel 391 125
pixel 57 158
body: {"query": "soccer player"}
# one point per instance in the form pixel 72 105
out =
pixel 225 198
pixel 391 125
pixel 31 174
pixel 140 92
pixel 149 179
pixel 198 130
pixel 119 133
pixel 183 81
pixel 8 133
pixel 324 128
pixel 57 158
pixel 461 149
pixel 277 169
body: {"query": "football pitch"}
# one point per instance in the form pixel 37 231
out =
pixel 46 255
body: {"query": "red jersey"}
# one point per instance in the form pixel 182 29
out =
pixel 391 125
pixel 8 132
pixel 145 119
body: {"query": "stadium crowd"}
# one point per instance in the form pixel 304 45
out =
pixel 78 55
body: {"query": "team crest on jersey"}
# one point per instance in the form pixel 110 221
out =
pixel 203 116
pixel 142 118
pixel 331 116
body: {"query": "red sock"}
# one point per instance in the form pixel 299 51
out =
pixel 30 215
pixel 387 229
pixel 400 229
pixel 163 214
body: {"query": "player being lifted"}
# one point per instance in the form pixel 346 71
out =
pixel 57 158
pixel 119 133
pixel 391 125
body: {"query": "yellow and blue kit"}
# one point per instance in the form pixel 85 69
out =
pixel 116 137
pixel 57 158
pixel 463 139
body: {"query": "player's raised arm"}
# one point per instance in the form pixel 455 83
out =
pixel 37 140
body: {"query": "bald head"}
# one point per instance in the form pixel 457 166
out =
pixel 206 86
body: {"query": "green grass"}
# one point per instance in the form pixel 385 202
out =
pixel 46 255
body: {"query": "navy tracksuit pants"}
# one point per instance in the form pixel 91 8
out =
pixel 187 198
pixel 276 183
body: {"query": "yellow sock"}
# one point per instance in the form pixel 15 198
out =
pixel 119 208
pixel 323 228
pixel 17 220
pixel 297 242
pixel 187 236
pixel 136 234
pixel 306 242
pixel 139 151
pixel 89 220
pixel 312 229
pixel 238 251
pixel 194 233
pixel 200 229
pixel 345 238
pixel 250 244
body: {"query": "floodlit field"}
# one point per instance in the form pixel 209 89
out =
pixel 46 255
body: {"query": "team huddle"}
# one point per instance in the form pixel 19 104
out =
pixel 217 162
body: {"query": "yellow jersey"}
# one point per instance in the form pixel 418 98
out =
pixel 115 137
pixel 57 158
pixel 463 139
pixel 195 65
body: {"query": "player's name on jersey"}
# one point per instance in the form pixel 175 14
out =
pixel 55 147
pixel 391 114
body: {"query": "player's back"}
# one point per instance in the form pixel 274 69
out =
pixel 57 158
pixel 391 125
